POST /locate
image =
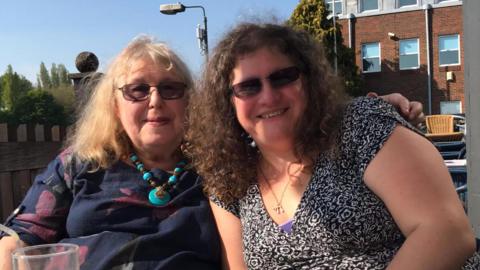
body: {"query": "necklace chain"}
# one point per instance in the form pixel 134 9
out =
pixel 278 208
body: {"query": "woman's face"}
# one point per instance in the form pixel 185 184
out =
pixel 269 116
pixel 154 123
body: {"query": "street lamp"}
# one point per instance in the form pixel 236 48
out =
pixel 333 16
pixel 202 35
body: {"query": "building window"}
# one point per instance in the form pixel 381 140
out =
pixel 449 50
pixel 409 54
pixel 366 5
pixel 439 1
pixel 404 3
pixel 338 6
pixel 451 107
pixel 371 57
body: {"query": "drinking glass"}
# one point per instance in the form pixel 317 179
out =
pixel 46 257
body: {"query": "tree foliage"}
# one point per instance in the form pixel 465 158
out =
pixel 311 16
pixel 57 83
pixel 13 86
pixel 38 106
pixel 51 102
pixel 44 77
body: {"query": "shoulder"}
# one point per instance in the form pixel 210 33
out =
pixel 367 124
pixel 371 107
pixel 365 117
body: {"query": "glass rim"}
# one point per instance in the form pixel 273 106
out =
pixel 19 253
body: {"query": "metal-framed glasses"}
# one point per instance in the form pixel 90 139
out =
pixel 142 91
pixel 277 80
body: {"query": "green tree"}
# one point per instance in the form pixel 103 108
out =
pixel 45 77
pixel 38 106
pixel 57 84
pixel 13 86
pixel 63 75
pixel 311 16
pixel 54 76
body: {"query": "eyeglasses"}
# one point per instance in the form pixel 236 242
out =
pixel 277 80
pixel 142 91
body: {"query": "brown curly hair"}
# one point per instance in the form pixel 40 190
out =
pixel 218 142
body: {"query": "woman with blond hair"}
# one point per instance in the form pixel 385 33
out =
pixel 123 190
pixel 303 178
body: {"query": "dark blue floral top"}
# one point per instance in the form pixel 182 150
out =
pixel 108 215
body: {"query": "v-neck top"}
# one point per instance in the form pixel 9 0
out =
pixel 339 223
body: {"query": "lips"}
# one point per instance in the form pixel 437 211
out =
pixel 271 114
pixel 158 120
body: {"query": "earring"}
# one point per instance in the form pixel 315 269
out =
pixel 252 143
pixel 249 140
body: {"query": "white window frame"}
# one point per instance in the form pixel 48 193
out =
pixel 333 2
pixel 379 57
pixel 412 5
pixel 362 9
pixel 445 1
pixel 418 53
pixel 458 48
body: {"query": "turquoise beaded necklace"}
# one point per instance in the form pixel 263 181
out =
pixel 160 194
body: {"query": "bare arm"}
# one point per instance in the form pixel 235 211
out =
pixel 408 174
pixel 230 230
pixel 7 245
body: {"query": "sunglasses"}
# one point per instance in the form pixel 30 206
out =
pixel 142 91
pixel 277 80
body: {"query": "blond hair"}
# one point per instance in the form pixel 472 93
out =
pixel 98 135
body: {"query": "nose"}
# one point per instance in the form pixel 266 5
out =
pixel 268 95
pixel 155 99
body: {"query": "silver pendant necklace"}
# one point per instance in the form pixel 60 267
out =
pixel 278 208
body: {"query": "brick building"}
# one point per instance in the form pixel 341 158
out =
pixel 394 42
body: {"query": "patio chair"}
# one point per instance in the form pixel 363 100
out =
pixel 440 128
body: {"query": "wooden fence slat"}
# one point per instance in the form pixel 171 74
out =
pixel 3 132
pixel 6 192
pixel 22 133
pixel 30 132
pixel 39 133
pixel 47 132
pixel 12 133
pixel 55 133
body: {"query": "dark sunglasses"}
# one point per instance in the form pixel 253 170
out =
pixel 142 91
pixel 277 80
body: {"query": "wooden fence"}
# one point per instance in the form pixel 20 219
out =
pixel 25 150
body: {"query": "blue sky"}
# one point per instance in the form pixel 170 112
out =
pixel 55 31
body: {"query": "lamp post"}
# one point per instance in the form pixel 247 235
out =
pixel 333 17
pixel 202 34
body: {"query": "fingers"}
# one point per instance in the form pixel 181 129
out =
pixel 399 101
pixel 415 115
pixel 410 110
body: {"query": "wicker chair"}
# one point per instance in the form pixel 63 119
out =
pixel 440 128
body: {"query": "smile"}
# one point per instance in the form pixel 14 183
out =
pixel 272 114
pixel 158 120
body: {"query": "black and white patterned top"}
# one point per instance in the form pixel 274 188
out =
pixel 339 223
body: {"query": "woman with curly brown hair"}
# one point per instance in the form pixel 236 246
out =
pixel 304 178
